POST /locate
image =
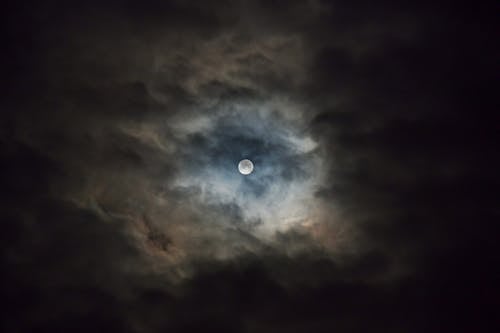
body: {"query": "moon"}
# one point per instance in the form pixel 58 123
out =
pixel 245 167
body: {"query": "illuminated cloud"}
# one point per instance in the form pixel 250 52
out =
pixel 368 209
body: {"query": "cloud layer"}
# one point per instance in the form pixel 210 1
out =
pixel 367 210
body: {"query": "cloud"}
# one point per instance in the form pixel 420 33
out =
pixel 368 209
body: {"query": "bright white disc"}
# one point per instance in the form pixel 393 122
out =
pixel 245 167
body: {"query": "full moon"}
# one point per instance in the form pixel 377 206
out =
pixel 245 167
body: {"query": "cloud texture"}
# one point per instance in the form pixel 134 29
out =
pixel 368 209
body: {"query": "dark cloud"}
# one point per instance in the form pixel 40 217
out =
pixel 373 134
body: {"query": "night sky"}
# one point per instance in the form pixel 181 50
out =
pixel 372 206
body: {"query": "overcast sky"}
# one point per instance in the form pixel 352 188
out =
pixel 372 131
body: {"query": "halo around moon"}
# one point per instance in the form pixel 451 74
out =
pixel 245 167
